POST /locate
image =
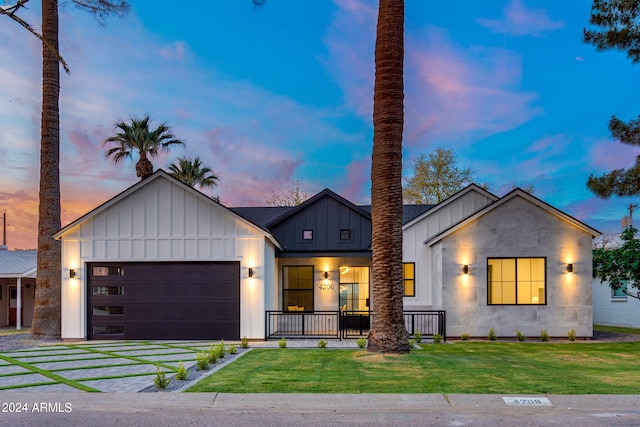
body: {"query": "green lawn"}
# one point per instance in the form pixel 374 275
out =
pixel 472 367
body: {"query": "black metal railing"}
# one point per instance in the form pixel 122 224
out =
pixel 346 324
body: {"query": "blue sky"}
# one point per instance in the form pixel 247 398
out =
pixel 283 93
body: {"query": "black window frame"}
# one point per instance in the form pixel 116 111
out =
pixel 546 295
pixel 297 291
pixel 346 235
pixel 405 280
pixel 307 230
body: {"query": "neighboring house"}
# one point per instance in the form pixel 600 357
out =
pixel 162 260
pixel 615 308
pixel 17 287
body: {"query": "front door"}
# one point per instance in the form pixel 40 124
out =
pixel 354 300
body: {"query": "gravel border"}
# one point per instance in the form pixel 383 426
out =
pixel 22 341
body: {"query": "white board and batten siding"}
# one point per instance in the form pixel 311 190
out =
pixel 163 220
pixel 432 222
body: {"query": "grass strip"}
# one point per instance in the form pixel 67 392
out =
pixel 48 374
pixel 616 329
pixel 486 368
pixel 133 358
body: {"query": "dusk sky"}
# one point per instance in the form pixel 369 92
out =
pixel 270 96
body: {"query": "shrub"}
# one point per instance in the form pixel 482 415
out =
pixel 213 354
pixel 572 335
pixel 465 336
pixel 437 338
pixel 283 342
pixel 161 380
pixel 181 373
pixel 417 336
pixel 362 342
pixel 412 343
pixel 322 344
pixel 244 343
pixel 492 335
pixel 544 335
pixel 202 360
pixel 520 335
pixel 232 349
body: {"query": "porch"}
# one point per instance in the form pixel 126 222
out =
pixel 345 324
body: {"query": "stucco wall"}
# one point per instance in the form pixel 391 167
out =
pixel 517 228
pixel 414 250
pixel 614 311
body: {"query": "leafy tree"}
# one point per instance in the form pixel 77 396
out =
pixel 47 306
pixel 621 264
pixel 388 333
pixel 436 177
pixel 617 26
pixel 294 196
pixel 137 137
pixel 193 172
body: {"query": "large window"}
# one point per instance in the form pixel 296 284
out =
pixel 298 288
pixel 354 288
pixel 516 281
pixel 409 279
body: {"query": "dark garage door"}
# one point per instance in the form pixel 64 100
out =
pixel 157 300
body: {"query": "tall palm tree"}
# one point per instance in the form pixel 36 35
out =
pixel 388 333
pixel 193 172
pixel 136 137
pixel 47 305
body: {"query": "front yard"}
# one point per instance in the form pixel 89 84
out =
pixel 466 367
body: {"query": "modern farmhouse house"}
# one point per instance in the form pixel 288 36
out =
pixel 164 261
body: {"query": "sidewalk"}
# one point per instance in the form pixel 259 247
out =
pixel 160 409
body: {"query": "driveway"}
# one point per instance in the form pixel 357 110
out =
pixel 96 366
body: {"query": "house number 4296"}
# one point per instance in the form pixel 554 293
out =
pixel 326 287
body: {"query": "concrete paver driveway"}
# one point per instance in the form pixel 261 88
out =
pixel 95 366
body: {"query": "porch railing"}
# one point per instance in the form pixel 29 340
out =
pixel 346 324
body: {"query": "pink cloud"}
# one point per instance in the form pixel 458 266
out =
pixel 608 154
pixel 462 92
pixel 520 20
pixel 357 181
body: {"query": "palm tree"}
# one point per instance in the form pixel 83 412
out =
pixel 47 305
pixel 193 172
pixel 137 137
pixel 388 333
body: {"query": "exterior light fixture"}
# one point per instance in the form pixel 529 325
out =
pixel 326 275
pixel 72 273
pixel 569 268
pixel 250 272
pixel 465 269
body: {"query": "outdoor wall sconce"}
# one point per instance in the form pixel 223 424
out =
pixel 326 275
pixel 569 268
pixel 465 269
pixel 250 272
pixel 72 273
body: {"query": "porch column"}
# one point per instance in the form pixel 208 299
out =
pixel 19 305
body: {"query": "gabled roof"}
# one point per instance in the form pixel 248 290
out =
pixel 324 193
pixel 449 200
pixel 18 263
pixel 261 215
pixel 509 196
pixel 159 174
pixel 409 212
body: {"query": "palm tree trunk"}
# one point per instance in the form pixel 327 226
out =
pixel 46 313
pixel 388 333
